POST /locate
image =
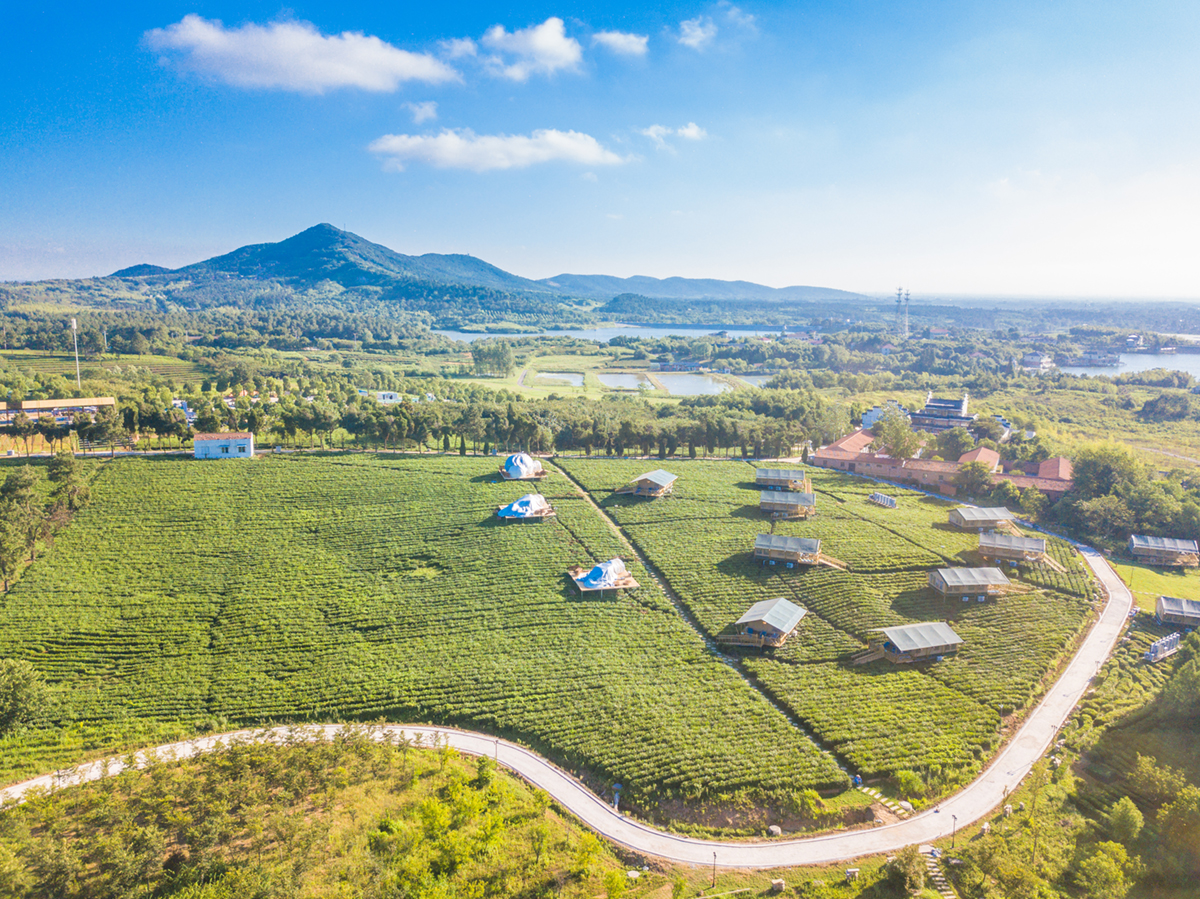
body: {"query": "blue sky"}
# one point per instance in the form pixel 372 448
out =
pixel 988 148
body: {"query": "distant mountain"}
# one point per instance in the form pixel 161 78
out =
pixel 607 287
pixel 324 252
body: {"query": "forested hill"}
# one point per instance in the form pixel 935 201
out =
pixel 607 287
pixel 325 253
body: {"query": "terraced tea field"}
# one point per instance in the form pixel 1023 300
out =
pixel 943 715
pixel 34 362
pixel 300 587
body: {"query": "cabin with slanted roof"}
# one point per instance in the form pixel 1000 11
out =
pixel 651 484
pixel 610 575
pixel 530 507
pixel 981 519
pixel 229 445
pixel 522 467
pixel 1164 551
pixel 1172 610
pixel 780 504
pixel 929 640
pixel 795 479
pixel 776 549
pixel 766 623
pixel 968 582
pixel 1012 548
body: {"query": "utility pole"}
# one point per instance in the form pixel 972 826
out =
pixel 75 338
pixel 714 883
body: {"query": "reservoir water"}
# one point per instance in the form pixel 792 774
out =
pixel 606 334
pixel 1135 362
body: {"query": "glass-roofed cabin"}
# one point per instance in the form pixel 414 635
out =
pixel 795 479
pixel 652 484
pixel 776 549
pixel 1164 551
pixel 781 504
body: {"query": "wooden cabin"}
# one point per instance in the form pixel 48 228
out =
pixel 1012 548
pixel 610 575
pixel 929 640
pixel 795 479
pixel 1164 551
pixel 530 507
pixel 652 484
pixel 981 519
pixel 776 549
pixel 766 623
pixel 968 582
pixel 1184 612
pixel 780 504
pixel 522 467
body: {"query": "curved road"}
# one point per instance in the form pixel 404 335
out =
pixel 972 803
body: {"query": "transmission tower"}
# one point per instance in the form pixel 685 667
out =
pixel 906 313
pixel 901 329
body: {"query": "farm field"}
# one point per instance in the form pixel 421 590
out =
pixel 701 538
pixel 34 362
pixel 313 588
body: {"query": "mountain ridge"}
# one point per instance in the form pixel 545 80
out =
pixel 324 252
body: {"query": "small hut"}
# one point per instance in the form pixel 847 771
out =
pixel 968 582
pixel 652 484
pixel 530 507
pixel 776 549
pixel 912 643
pixel 766 623
pixel 787 505
pixel 1012 548
pixel 882 499
pixel 981 519
pixel 610 575
pixel 522 467
pixel 1172 610
pixel 1164 551
pixel 783 479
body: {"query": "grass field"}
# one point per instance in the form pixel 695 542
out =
pixel 303 587
pixel 942 715
pixel 1148 583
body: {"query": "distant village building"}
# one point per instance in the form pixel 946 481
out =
pixel 63 411
pixel 230 445
pixel 1037 362
pixel 766 623
pixel 1166 551
pixel 1184 612
pixel 771 549
pixel 779 504
pixel 783 479
pixel 979 583
pixel 940 414
pixel 911 643
pixel 652 484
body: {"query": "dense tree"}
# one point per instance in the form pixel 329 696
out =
pixel 975 479
pixel 23 694
pixel 894 435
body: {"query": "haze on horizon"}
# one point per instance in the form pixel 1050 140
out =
pixel 983 149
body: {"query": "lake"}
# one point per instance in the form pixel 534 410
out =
pixel 606 334
pixel 571 378
pixel 1135 362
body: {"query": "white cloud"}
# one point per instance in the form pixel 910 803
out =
pixel 457 47
pixel 589 176
pixel 622 43
pixel 656 133
pixel 735 15
pixel 463 149
pixel 615 216
pixel 422 112
pixel 539 49
pixel 697 33
pixel 293 56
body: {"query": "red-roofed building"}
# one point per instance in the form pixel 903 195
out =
pixel 983 454
pixel 1059 468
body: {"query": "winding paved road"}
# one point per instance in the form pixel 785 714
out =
pixel 972 803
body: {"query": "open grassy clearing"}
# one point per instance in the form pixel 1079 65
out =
pixel 701 538
pixel 304 587
pixel 1148 583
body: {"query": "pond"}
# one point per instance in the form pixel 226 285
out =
pixel 679 384
pixel 625 382
pixel 570 378
pixel 1135 362
pixel 755 380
